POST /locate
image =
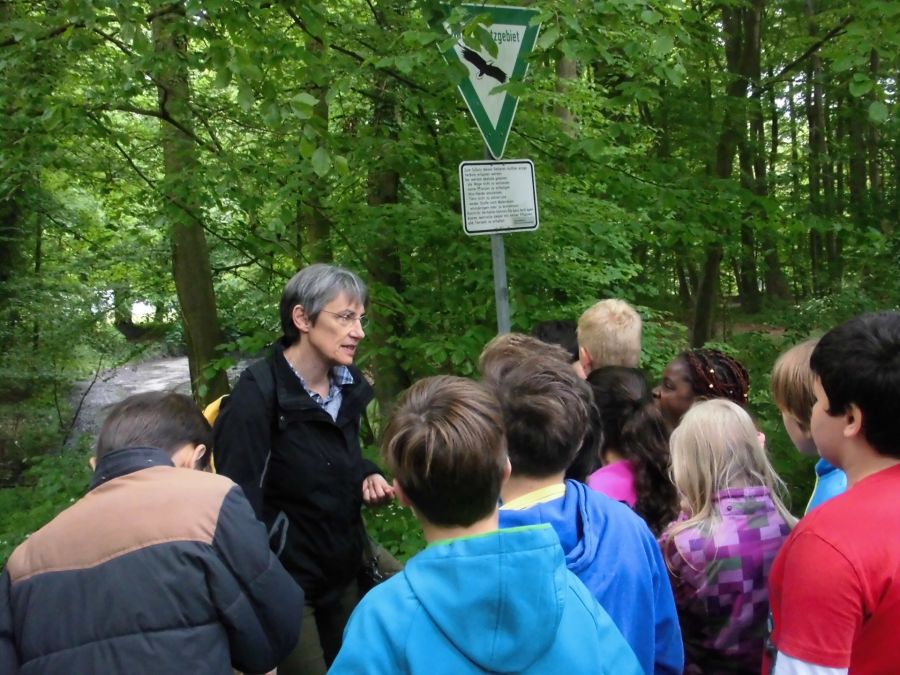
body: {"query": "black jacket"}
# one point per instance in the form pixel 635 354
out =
pixel 155 570
pixel 302 471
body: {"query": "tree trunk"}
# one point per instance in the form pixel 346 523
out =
pixel 190 255
pixel 383 259
pixel 566 69
pixel 313 226
pixel 729 137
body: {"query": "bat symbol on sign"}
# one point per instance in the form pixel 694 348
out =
pixel 484 68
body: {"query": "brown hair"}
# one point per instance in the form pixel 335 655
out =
pixel 547 412
pixel 610 331
pixel 446 447
pixel 792 382
pixel 156 419
pixel 503 352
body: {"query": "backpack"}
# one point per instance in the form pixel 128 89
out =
pixel 265 380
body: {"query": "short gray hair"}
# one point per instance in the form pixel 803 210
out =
pixel 314 287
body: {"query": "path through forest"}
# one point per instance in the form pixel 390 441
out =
pixel 93 398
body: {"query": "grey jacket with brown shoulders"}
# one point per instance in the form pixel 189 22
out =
pixel 155 570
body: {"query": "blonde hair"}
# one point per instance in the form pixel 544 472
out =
pixel 792 382
pixel 716 447
pixel 610 331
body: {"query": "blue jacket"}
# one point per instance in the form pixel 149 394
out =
pixel 502 602
pixel 830 482
pixel 616 556
pixel 155 570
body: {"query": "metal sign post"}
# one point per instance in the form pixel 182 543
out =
pixel 498 197
pixel 501 289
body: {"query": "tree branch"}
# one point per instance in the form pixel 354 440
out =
pixel 348 52
pixel 771 82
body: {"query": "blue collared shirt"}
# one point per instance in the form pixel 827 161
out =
pixel 340 376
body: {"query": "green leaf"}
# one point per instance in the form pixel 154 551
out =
pixel 662 45
pixel 860 85
pixel 245 97
pixel 878 112
pixel 548 37
pixel 651 17
pixel 223 78
pixel 321 161
pixel 305 98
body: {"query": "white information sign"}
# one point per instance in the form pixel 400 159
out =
pixel 498 197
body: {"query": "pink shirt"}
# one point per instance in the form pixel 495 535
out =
pixel 615 480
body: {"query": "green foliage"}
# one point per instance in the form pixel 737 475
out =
pixel 51 484
pixel 393 526
pixel 333 131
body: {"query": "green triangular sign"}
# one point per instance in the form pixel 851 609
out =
pixel 515 38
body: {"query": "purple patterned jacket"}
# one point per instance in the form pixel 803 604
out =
pixel 720 581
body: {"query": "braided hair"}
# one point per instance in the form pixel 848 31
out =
pixel 714 374
pixel 634 427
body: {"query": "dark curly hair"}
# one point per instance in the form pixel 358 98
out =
pixel 634 427
pixel 714 374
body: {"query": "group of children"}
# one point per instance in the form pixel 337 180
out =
pixel 576 520
pixel 754 591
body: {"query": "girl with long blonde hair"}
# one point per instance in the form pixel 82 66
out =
pixel 720 550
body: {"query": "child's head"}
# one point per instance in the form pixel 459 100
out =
pixel 505 351
pixel 634 429
pixel 792 389
pixel 698 374
pixel 857 368
pixel 560 332
pixel 609 334
pixel 158 419
pixel 546 410
pixel 445 445
pixel 715 447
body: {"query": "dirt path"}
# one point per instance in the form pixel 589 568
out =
pixel 166 374
pixel 162 374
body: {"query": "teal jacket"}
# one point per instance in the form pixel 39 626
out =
pixel 502 602
pixel 830 482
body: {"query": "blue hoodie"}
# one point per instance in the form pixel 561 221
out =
pixel 503 602
pixel 613 552
pixel 830 482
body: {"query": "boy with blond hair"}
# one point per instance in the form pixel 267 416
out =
pixel 609 334
pixel 792 389
pixel 477 599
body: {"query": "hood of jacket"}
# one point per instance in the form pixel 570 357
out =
pixel 580 528
pixel 485 592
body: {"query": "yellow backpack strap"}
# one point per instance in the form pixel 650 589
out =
pixel 211 413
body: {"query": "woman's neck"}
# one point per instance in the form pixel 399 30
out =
pixel 315 373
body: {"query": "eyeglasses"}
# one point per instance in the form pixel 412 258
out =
pixel 349 318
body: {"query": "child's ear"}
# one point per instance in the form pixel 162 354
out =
pixel 507 471
pixel 401 495
pixel 853 422
pixel 196 455
pixel 587 363
pixel 93 462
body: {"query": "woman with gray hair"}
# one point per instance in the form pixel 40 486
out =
pixel 289 436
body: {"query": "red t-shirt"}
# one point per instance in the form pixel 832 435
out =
pixel 835 586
